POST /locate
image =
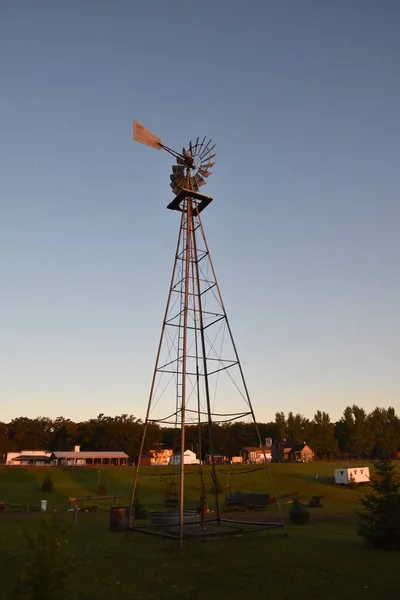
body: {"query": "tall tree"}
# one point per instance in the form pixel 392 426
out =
pixel 297 427
pixel 281 426
pixel 63 434
pixel 5 443
pixel 322 436
pixel 30 434
pixel 385 430
pixel 357 438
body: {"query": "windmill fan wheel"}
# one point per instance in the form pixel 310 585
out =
pixel 193 166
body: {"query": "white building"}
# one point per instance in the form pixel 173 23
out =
pixel 76 458
pixel 28 457
pixel 237 460
pixel 189 458
pixel 352 475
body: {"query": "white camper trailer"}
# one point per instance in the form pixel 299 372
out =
pixel 353 475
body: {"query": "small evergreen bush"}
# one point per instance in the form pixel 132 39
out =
pixel 102 490
pixel 379 525
pixel 298 514
pixel 49 564
pixel 47 485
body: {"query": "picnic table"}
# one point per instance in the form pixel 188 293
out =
pixel 315 502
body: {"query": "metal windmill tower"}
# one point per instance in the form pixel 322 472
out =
pixel 196 348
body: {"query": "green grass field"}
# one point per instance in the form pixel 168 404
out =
pixel 323 559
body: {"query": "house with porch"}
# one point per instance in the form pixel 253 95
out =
pixel 160 456
pixel 255 454
pixel 291 452
pixel 29 458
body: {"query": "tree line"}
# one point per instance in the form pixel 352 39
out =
pixel 356 434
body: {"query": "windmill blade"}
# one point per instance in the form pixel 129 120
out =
pixel 207 150
pixel 205 147
pixel 178 178
pixel 201 147
pixel 199 180
pixel 179 183
pixel 207 166
pixel 145 136
pixel 195 151
pixel 196 145
pixel 204 173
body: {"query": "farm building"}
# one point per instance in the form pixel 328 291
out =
pixel 26 458
pixel 160 456
pixel 291 452
pixel 189 458
pixel 255 454
pixel 79 458
pixel 76 458
pixel 219 459
pixel 353 475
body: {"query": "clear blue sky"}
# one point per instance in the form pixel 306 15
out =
pixel 303 101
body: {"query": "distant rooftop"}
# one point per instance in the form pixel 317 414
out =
pixel 32 457
pixel 87 454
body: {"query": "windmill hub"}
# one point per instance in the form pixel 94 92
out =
pixel 187 160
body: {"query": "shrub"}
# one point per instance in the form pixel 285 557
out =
pixel 379 525
pixel 49 563
pixel 47 485
pixel 298 514
pixel 102 490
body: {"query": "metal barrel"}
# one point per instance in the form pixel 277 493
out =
pixel 119 518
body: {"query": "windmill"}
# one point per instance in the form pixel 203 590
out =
pixel 196 347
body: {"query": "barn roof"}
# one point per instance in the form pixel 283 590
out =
pixel 298 447
pixel 32 457
pixel 293 446
pixel 86 454
pixel 256 448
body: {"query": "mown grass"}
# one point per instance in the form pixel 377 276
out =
pixel 324 559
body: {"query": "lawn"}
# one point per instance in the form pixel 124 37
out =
pixel 324 559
